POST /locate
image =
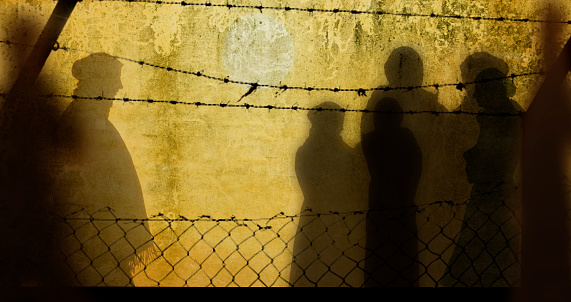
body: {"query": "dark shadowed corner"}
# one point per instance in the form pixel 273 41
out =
pixel 32 165
pixel 29 256
pixel 545 198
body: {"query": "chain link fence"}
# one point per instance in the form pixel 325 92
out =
pixel 445 243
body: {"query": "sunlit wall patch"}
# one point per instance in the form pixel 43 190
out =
pixel 258 49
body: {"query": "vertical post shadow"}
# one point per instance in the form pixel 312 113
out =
pixel 28 254
pixel 545 184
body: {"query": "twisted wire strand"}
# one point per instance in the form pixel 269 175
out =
pixel 311 10
pixel 254 86
pixel 272 107
pixel 280 215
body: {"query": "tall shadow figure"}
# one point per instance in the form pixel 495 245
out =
pixel 463 129
pixel 97 173
pixel 330 176
pixel 404 70
pixel 487 247
pixel 395 162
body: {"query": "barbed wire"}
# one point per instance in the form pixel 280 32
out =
pixel 360 91
pixel 273 107
pixel 311 10
pixel 281 215
pixel 254 86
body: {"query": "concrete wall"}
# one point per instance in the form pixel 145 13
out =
pixel 225 162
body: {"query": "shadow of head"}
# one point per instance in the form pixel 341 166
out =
pixel 388 114
pixel 404 67
pixel 492 88
pixel 476 63
pixel 326 118
pixel 98 74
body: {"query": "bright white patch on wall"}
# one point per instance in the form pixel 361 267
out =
pixel 258 49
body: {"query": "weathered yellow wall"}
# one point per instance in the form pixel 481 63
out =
pixel 224 162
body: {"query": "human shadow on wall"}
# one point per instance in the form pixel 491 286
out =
pixel 97 173
pixel 487 247
pixel 404 71
pixel 463 129
pixel 394 161
pixel 330 175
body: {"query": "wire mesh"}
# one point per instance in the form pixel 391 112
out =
pixel 437 244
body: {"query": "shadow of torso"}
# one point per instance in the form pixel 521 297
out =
pixel 98 179
pixel 332 177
